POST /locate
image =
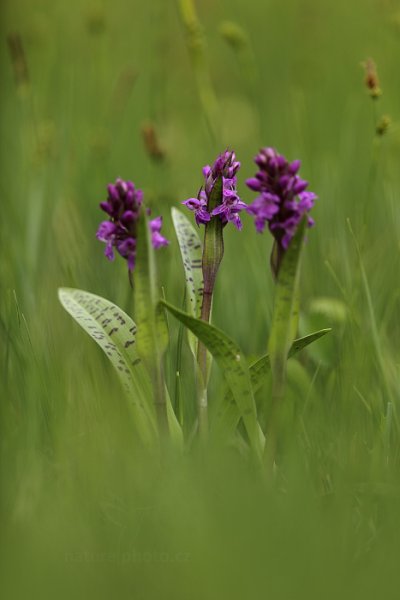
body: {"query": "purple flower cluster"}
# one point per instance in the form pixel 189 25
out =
pixel 123 207
pixel 225 167
pixel 283 199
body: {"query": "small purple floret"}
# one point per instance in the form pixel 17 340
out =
pixel 199 207
pixel 226 167
pixel 282 200
pixel 123 207
pixel 156 238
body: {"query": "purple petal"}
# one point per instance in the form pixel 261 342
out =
pixel 126 247
pixel 155 225
pixel 294 167
pixel 218 210
pixel 300 185
pixel 260 225
pixel 254 184
pixel 107 207
pixel 129 216
pixel 105 231
pixel 113 192
pixel 235 219
pixel 109 251
pixel 139 196
pixel 202 216
pixel 158 240
pixel 193 203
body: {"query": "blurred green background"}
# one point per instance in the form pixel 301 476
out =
pixel 92 91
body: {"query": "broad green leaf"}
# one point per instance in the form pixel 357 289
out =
pixel 232 363
pixel 191 249
pixel 115 332
pixel 227 416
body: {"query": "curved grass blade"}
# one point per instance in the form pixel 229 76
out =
pixel 232 363
pixel 115 332
pixel 227 416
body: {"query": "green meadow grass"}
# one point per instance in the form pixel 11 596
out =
pixel 84 512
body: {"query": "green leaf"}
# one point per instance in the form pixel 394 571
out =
pixel 152 330
pixel 115 332
pixel 173 424
pixel 152 336
pixel 261 367
pixel 283 322
pixel 285 297
pixel 227 416
pixel 191 252
pixel 233 365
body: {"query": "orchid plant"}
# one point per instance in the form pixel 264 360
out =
pixel 136 349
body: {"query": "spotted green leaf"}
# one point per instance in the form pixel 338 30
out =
pixel 227 416
pixel 233 365
pixel 191 252
pixel 115 332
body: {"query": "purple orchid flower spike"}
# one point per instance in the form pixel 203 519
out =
pixel 123 207
pixel 225 167
pixel 282 201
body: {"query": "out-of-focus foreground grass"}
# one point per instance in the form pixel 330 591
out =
pixel 82 511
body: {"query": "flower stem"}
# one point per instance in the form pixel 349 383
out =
pixel 202 401
pixel 213 251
